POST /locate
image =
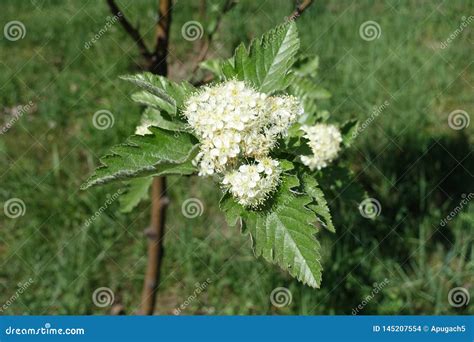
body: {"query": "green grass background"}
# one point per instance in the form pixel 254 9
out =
pixel 408 158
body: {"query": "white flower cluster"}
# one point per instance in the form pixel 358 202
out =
pixel 325 142
pixel 234 122
pixel 251 184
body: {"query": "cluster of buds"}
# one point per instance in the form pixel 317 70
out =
pixel 325 143
pixel 252 183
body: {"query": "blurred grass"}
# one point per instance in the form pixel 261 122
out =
pixel 408 158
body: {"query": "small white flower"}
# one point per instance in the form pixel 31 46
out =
pixel 325 143
pixel 268 165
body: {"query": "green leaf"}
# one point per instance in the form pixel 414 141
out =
pixel 320 207
pixel 295 144
pixel 148 99
pixel 306 87
pixel 153 117
pixel 286 165
pixel 319 93
pixel 137 190
pixel 232 210
pixel 306 65
pixel 266 65
pixel 163 93
pixel 348 131
pixel 282 232
pixel 303 88
pixel 163 152
pixel 228 67
pixel 214 66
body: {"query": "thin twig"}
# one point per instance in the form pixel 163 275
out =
pixel 229 4
pixel 300 9
pixel 132 31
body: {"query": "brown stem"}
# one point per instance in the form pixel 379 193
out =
pixel 132 31
pixel 117 310
pixel 202 9
pixel 159 200
pixel 156 63
pixel 300 9
pixel 155 234
pixel 159 63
